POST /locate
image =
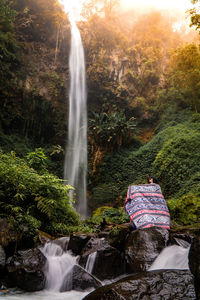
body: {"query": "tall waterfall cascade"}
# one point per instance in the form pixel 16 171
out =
pixel 75 167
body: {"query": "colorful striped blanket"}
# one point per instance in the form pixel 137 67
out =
pixel 146 206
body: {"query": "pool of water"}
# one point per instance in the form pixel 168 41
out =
pixel 44 295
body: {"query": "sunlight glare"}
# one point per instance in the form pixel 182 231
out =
pixel 180 5
pixel 74 6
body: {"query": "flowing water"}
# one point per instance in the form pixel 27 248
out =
pixel 75 167
pixel 172 257
pixel 90 262
pixel 45 295
pixel 59 264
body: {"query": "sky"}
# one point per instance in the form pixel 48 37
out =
pixel 173 6
pixel 180 5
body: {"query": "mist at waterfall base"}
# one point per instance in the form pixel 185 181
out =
pixel 75 166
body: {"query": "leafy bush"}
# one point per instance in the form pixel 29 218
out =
pixel 104 194
pixel 185 210
pixel 110 215
pixel 179 158
pixel 19 144
pixel 110 131
pixel 27 194
pixel 37 160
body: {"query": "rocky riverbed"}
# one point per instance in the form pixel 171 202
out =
pixel 84 262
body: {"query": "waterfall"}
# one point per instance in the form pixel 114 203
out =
pixel 90 262
pixel 75 167
pixel 58 265
pixel 172 257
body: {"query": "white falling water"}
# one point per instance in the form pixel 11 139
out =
pixel 172 257
pixel 75 167
pixel 58 265
pixel 90 262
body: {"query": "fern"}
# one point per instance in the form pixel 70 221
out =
pixel 45 205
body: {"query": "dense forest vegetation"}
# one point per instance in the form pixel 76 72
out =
pixel 143 81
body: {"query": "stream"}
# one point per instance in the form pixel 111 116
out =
pixel 44 295
pixel 60 262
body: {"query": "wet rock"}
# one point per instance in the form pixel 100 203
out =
pixel 93 245
pixel 194 262
pixel 143 246
pixel 62 242
pixel 78 279
pixel 77 242
pixel 108 262
pixel 117 236
pixel 2 258
pixel 183 240
pixel 44 237
pixel 154 285
pixel 25 269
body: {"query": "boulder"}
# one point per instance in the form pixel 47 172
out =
pixel 78 279
pixel 118 234
pixel 2 258
pixel 194 262
pixel 154 285
pixel 77 242
pixel 90 249
pixel 143 246
pixel 25 269
pixel 183 240
pixel 108 261
pixel 62 242
pixel 93 245
pixel 108 264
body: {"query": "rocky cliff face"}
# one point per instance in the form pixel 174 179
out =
pixel 42 33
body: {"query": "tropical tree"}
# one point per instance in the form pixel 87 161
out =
pixel 184 73
pixel 108 133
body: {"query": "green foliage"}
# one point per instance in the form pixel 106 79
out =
pixel 54 82
pixel 20 145
pixel 184 73
pixel 110 215
pixel 8 47
pixel 65 229
pixel 7 42
pixel 24 192
pixel 37 160
pixel 110 130
pixel 178 158
pixel 185 210
pixel 104 193
pixel 25 224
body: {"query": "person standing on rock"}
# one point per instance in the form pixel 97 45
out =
pixel 146 205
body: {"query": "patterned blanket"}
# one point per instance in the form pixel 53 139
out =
pixel 146 206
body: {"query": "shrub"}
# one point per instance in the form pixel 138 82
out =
pixel 178 159
pixel 185 210
pixel 110 214
pixel 25 193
